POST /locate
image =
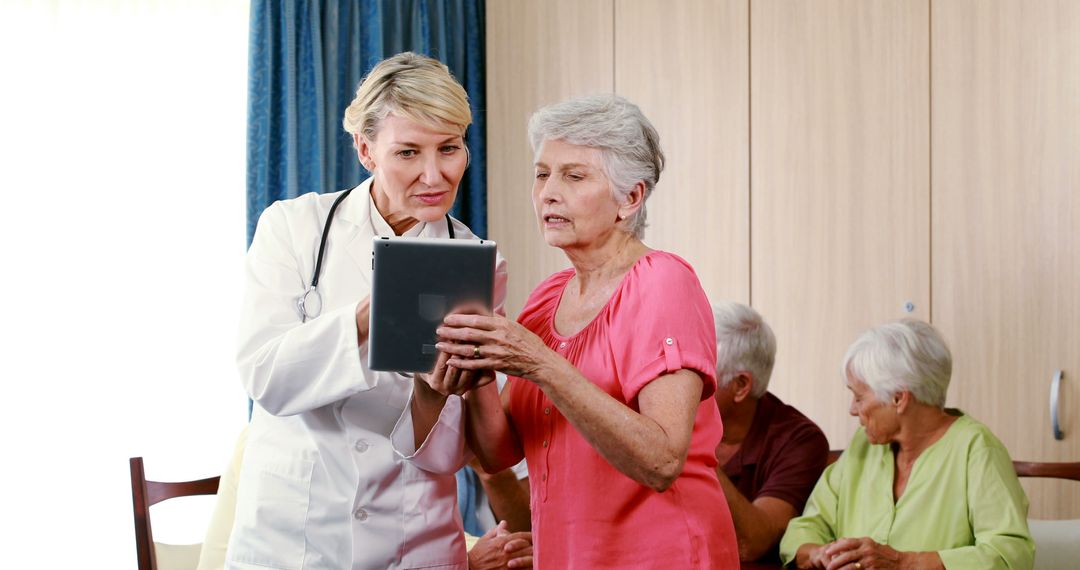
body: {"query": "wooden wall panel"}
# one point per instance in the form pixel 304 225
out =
pixel 688 70
pixel 839 180
pixel 1006 201
pixel 538 52
pixel 799 178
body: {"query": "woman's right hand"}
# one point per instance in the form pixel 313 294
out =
pixel 812 556
pixel 447 380
pixel 493 342
pixel 866 554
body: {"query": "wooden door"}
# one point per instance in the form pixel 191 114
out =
pixel 839 185
pixel 1006 222
pixel 687 67
pixel 538 52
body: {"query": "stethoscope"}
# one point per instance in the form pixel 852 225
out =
pixel 309 303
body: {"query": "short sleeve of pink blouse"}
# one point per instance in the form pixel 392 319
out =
pixel 661 322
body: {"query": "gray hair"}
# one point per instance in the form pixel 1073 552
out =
pixel 905 355
pixel 627 140
pixel 744 341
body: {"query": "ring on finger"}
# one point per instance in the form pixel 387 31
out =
pixel 476 351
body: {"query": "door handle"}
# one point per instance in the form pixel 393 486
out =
pixel 1055 395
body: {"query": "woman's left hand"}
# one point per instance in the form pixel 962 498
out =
pixel 861 554
pixel 480 342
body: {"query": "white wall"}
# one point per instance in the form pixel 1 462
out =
pixel 122 166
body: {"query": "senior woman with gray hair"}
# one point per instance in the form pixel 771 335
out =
pixel 921 485
pixel 612 363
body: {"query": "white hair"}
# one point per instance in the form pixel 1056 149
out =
pixel 744 341
pixel 628 142
pixel 905 355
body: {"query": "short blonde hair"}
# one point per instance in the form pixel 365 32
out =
pixel 412 86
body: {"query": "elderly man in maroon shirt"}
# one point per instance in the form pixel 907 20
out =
pixel 771 455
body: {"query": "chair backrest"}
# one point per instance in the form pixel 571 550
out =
pixel 145 493
pixel 1023 468
pixel 834 454
pixel 1057 542
pixel 1051 470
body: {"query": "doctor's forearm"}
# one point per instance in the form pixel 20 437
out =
pixel 292 369
pixel 427 405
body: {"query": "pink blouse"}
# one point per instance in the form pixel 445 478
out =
pixel 585 513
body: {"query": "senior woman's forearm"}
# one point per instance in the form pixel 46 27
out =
pixel 634 443
pixel 487 430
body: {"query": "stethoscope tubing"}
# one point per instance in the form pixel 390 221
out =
pixel 312 291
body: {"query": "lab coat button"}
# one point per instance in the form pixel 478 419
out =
pixel 360 514
pixel 362 446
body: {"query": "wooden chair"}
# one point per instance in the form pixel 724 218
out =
pixel 144 494
pixel 1023 468
pixel 1057 542
pixel 1052 470
pixel 834 454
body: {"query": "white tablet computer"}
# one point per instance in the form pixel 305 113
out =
pixel 416 282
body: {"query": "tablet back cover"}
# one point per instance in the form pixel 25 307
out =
pixel 416 282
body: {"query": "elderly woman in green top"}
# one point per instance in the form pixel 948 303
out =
pixel 920 486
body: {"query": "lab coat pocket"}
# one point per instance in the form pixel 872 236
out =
pixel 271 516
pixel 433 535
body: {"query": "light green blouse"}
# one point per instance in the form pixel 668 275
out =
pixel 962 500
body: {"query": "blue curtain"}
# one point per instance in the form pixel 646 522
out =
pixel 307 58
pixel 469 491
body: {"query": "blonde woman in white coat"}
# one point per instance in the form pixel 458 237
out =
pixel 346 467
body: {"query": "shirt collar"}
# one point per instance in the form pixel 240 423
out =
pixel 359 208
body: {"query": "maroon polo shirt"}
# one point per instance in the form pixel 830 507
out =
pixel 782 456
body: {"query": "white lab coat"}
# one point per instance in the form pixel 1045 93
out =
pixel 331 478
